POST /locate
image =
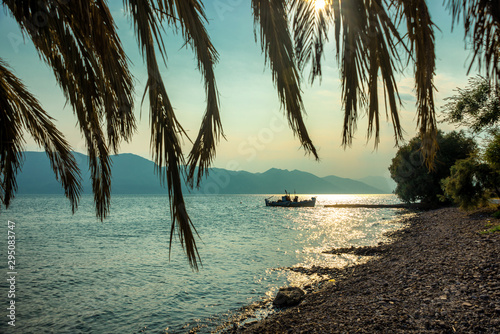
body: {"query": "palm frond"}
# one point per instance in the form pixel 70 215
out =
pixel 276 43
pixel 310 29
pixel 190 17
pixel 165 129
pixel 79 42
pixel 482 27
pixel 353 61
pixel 20 110
pixel 422 46
pixel 366 41
pixel 383 42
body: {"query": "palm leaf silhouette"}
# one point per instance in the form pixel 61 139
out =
pixel 276 43
pixel 374 40
pixel 21 111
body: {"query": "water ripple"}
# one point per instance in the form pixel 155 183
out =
pixel 77 274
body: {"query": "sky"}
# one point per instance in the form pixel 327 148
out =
pixel 257 134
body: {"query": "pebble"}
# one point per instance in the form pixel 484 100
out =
pixel 438 276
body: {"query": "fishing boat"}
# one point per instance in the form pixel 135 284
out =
pixel 289 202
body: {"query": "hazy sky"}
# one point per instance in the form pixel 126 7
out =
pixel 256 129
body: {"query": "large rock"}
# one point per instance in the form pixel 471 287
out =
pixel 289 296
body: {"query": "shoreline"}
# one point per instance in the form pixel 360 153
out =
pixel 437 275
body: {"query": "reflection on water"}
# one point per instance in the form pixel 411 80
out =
pixel 80 275
pixel 322 228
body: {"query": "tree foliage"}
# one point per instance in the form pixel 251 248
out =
pixel 476 107
pixel 374 40
pixel 414 181
pixel 474 179
pixel 469 183
pixel 492 152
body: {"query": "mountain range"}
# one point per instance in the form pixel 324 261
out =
pixel 132 174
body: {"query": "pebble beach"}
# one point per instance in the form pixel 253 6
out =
pixel 439 274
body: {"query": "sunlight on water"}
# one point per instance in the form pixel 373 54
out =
pixel 77 274
pixel 322 228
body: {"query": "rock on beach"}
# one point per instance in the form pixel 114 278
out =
pixel 439 275
pixel 289 296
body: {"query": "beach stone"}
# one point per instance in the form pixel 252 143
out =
pixel 437 286
pixel 289 296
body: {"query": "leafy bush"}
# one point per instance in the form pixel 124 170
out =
pixel 492 153
pixel 468 183
pixel 415 182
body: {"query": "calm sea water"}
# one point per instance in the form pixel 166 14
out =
pixel 78 275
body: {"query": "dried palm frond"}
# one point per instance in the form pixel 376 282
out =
pixel 165 129
pixel 19 110
pixel 276 43
pixel 79 42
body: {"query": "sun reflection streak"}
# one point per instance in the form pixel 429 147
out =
pixel 323 228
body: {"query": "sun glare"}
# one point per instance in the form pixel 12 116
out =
pixel 319 4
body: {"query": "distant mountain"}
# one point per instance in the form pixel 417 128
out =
pixel 385 184
pixel 277 180
pixel 349 186
pixel 132 174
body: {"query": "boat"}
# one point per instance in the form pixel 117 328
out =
pixel 289 202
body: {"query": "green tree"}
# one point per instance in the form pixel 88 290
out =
pixel 470 183
pixel 476 107
pixel 492 153
pixel 473 180
pixel 415 182
pixel 492 157
pixel 78 40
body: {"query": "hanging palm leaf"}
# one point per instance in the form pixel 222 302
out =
pixel 165 129
pixel 310 28
pixel 78 40
pixel 482 27
pixel 276 43
pixel 191 18
pixel 421 40
pixel 20 111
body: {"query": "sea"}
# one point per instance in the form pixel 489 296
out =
pixel 76 274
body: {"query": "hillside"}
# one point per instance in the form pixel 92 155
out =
pixel 135 175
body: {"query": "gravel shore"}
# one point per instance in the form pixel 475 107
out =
pixel 438 275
